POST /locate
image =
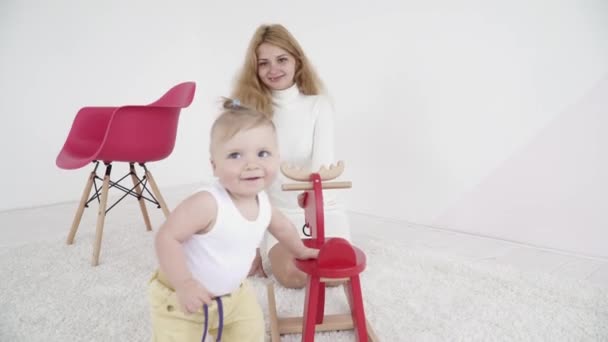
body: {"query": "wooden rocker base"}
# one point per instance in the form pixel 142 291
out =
pixel 293 325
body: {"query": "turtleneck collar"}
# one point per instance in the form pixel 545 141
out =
pixel 286 94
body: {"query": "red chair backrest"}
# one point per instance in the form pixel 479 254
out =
pixel 180 96
pixel 146 133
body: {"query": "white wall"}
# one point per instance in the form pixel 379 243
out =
pixel 455 94
pixel 551 186
pixel 441 107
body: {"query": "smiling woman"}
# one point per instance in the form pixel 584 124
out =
pixel 278 80
pixel 276 67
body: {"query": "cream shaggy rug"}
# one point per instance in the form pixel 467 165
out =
pixel 49 292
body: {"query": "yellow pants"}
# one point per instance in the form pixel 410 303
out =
pixel 243 317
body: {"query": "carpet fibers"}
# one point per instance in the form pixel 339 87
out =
pixel 49 292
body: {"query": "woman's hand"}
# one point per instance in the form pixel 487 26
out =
pixel 191 296
pixel 302 199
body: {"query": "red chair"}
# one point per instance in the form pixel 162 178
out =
pixel 133 134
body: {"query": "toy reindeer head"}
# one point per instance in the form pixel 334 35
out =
pixel 312 199
pixel 325 174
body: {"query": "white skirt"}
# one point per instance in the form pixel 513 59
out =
pixel 336 225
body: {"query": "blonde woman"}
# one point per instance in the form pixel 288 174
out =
pixel 278 80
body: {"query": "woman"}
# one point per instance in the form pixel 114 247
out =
pixel 277 79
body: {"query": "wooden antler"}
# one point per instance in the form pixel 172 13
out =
pixel 296 173
pixel 326 174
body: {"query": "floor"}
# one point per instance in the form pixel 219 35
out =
pixel 43 223
pixel 487 250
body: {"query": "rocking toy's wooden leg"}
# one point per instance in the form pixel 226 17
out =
pixel 101 215
pixel 371 334
pixel 355 299
pixel 310 308
pixel 142 202
pixel 159 197
pixel 83 201
pixel 272 312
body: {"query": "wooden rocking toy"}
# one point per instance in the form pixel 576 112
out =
pixel 338 261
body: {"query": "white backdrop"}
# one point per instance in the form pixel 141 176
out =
pixel 480 117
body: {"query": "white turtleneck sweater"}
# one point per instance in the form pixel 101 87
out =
pixel 305 130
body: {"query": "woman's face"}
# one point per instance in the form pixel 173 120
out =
pixel 276 67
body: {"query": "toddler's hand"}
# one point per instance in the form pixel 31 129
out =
pixel 191 296
pixel 308 253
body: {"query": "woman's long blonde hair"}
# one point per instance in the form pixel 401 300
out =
pixel 251 91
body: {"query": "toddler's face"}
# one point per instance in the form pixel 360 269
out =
pixel 276 67
pixel 248 162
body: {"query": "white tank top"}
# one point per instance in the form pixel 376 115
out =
pixel 220 259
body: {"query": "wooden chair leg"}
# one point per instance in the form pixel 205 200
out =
pixel 83 201
pixel 101 215
pixel 159 196
pixel 142 202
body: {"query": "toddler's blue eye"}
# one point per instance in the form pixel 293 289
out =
pixel 263 154
pixel 234 155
